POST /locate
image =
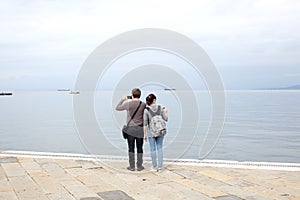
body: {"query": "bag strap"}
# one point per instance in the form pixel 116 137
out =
pixel 134 113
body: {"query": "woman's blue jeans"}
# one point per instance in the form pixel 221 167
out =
pixel 156 145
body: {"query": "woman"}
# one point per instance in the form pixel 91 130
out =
pixel 135 109
pixel 156 142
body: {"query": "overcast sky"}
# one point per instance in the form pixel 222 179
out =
pixel 254 44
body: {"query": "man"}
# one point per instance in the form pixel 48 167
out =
pixel 135 127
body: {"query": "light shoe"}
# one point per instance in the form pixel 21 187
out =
pixel 159 170
pixel 153 169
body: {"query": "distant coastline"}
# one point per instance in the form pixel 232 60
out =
pixel 293 87
pixel 63 89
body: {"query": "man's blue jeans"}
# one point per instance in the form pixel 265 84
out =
pixel 156 145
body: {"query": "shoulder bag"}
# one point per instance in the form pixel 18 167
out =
pixel 125 127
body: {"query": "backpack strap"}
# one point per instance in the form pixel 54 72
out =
pixel 154 113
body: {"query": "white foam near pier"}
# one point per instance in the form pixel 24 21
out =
pixel 188 162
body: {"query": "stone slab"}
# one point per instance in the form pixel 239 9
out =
pixel 49 185
pixel 91 198
pixel 78 189
pixel 13 169
pixel 65 196
pixel 31 167
pixel 66 164
pixel 216 175
pixel 115 194
pixel 8 159
pixel 5 186
pixel 9 195
pixel 228 198
pixel 69 179
pixel 26 188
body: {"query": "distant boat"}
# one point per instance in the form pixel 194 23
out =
pixel 63 89
pixel 5 93
pixel 169 89
pixel 74 92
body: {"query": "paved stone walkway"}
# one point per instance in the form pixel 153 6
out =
pixel 68 179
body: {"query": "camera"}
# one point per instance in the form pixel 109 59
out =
pixel 129 97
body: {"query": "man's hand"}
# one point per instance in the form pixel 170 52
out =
pixel 124 97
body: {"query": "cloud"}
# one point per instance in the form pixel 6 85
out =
pixel 59 35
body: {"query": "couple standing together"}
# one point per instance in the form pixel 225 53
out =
pixel 140 120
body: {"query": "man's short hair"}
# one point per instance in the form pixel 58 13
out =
pixel 136 93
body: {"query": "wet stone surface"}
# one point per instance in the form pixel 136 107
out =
pixel 117 194
pixel 8 160
pixel 90 198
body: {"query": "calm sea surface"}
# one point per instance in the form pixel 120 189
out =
pixel 259 126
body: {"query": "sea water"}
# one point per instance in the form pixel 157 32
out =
pixel 258 126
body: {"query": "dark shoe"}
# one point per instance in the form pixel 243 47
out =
pixel 130 169
pixel 140 168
